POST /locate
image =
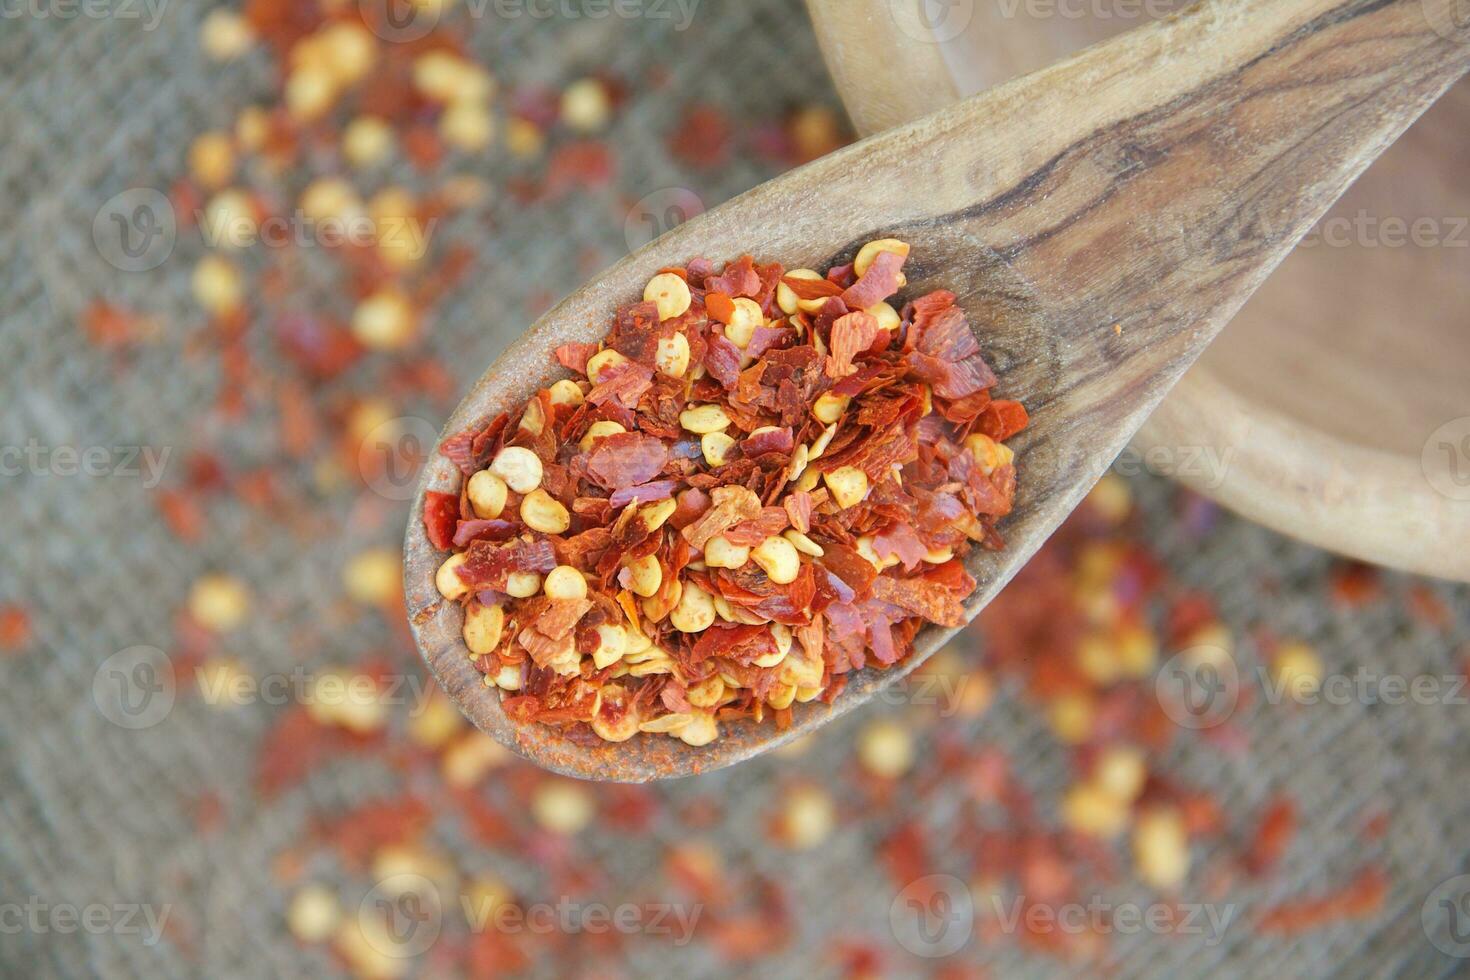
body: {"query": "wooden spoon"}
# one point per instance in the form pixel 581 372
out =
pixel 1099 221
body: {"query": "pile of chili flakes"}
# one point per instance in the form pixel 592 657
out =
pixel 760 482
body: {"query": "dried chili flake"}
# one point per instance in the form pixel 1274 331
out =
pixel 877 284
pixel 574 357
pixel 625 382
pixel 730 547
pixel 1277 827
pixel 441 514
pixel 645 493
pixel 1360 898
pixel 15 628
pixel 626 460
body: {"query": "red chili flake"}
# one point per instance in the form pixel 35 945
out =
pixel 296 745
pixel 1272 837
pixel 701 137
pixel 877 284
pixel 913 397
pixel 1355 584
pixel 768 523
pixel 730 506
pixel 110 326
pixel 1360 898
pixel 362 832
pixel 467 532
pixel 799 510
pixel 441 514
pixel 645 493
pixel 625 382
pixel 722 360
pixel 587 164
pixel 1003 419
pixel 720 307
pixel 15 628
pixel 738 280
pixel 900 541
pixel 183 514
pixel 1429 607
pixel 561 617
pixel 574 357
pixel 487 564
pixel 852 334
pixel 810 289
pixel 768 338
pixel 769 440
pixel 625 460
pixel 473 448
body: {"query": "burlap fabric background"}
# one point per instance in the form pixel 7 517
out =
pixel 93 813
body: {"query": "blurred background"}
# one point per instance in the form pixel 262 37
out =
pixel 255 253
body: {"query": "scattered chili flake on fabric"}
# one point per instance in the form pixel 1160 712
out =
pixel 702 137
pixel 735 500
pixel 1360 898
pixel 15 628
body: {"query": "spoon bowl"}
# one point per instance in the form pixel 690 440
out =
pixel 1099 222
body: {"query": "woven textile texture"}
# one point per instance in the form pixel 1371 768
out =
pixel 171 817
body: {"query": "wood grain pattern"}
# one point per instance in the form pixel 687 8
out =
pixel 1099 221
pixel 1313 409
